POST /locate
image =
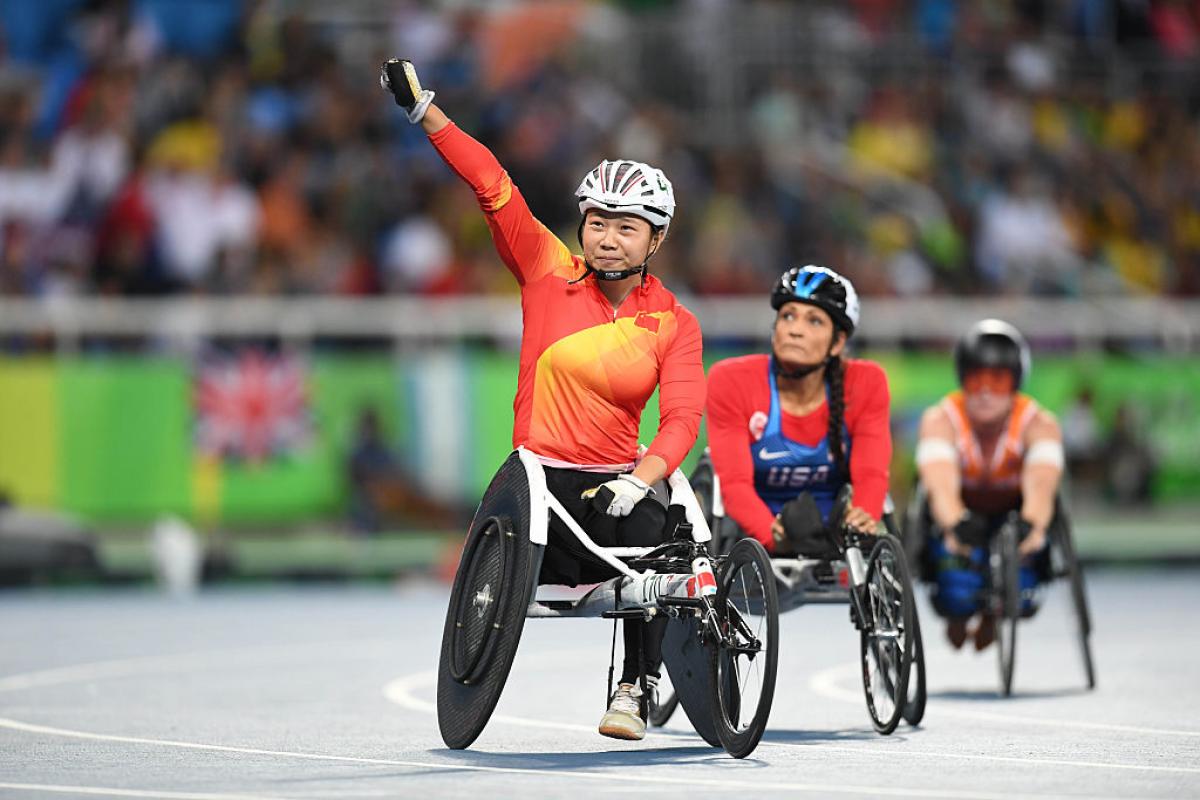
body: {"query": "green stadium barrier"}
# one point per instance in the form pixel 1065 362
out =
pixel 112 439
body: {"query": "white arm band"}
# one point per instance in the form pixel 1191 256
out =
pixel 930 450
pixel 1045 451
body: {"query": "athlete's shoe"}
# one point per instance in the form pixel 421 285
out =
pixel 623 720
pixel 985 633
pixel 956 632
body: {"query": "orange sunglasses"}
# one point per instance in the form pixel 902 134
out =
pixel 994 380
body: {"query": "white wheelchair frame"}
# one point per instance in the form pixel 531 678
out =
pixel 634 589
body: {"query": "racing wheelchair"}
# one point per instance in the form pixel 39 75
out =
pixel 721 644
pixel 1001 593
pixel 870 574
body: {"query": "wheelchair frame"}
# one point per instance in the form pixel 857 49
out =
pixel 482 629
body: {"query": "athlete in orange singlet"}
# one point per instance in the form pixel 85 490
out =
pixel 983 452
pixel 600 335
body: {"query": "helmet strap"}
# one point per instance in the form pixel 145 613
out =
pixel 801 372
pixel 609 274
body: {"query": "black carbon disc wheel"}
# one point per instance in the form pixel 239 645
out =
pixel 1006 588
pixel 745 661
pixel 888 630
pixel 492 589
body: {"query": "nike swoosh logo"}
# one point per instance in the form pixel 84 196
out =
pixel 767 455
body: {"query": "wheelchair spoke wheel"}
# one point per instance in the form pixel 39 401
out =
pixel 888 630
pixel 914 705
pixel 1006 611
pixel 664 701
pixel 745 659
pixel 493 586
pixel 1083 617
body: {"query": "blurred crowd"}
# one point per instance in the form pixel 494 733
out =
pixel 153 147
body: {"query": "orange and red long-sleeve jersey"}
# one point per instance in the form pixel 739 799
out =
pixel 739 401
pixel 587 368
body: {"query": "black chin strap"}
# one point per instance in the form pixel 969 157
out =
pixel 799 372
pixel 778 368
pixel 610 275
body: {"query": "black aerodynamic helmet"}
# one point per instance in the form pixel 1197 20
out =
pixel 992 343
pixel 820 287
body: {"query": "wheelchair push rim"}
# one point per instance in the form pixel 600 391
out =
pixel 886 639
pixel 744 659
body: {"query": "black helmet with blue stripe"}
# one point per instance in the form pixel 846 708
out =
pixel 820 287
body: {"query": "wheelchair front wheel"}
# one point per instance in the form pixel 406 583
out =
pixel 744 659
pixel 888 630
pixel 1006 607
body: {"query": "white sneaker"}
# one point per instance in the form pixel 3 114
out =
pixel 623 720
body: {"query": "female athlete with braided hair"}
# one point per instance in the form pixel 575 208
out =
pixel 801 420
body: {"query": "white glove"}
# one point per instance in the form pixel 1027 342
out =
pixel 626 491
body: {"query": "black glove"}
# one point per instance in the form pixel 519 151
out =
pixel 400 78
pixel 972 530
pixel 805 529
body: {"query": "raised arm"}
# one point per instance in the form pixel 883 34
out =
pixel 527 247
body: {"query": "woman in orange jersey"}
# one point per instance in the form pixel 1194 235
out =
pixel 600 335
pixel 983 452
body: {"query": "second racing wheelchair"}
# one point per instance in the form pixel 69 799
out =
pixel 721 646
pixel 868 573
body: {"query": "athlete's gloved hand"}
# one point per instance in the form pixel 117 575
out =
pixel 969 532
pixel 618 496
pixel 399 77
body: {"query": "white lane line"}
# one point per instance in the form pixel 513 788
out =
pixel 178 662
pixel 400 692
pixel 104 791
pixel 825 683
pixel 624 777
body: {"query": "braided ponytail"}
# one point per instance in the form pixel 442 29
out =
pixel 834 373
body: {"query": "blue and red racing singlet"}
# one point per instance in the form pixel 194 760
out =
pixel 784 468
pixel 765 456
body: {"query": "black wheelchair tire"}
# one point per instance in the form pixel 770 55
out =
pixel 467 693
pixel 1006 577
pixel 914 706
pixel 725 694
pixel 898 691
pixel 1083 617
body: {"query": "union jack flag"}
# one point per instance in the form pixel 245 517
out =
pixel 251 406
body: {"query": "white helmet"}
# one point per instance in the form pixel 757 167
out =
pixel 628 187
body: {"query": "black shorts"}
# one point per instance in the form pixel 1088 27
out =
pixel 565 560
